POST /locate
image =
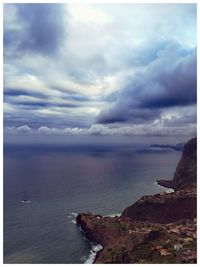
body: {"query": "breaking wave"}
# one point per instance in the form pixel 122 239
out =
pixel 93 252
pixel 167 190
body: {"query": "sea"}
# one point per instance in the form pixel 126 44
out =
pixel 46 186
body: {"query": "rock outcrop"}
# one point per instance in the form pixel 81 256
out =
pixel 156 229
pixel 186 171
pixel 128 241
pixel 164 207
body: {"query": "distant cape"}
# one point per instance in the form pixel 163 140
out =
pixel 178 147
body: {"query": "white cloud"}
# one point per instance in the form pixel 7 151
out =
pixel 154 129
pixel 89 14
pixel 44 130
pixel 23 129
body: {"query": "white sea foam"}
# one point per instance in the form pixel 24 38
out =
pixel 113 215
pixel 73 216
pixel 81 230
pixel 167 190
pixel 95 249
pixel 83 258
pixel 26 201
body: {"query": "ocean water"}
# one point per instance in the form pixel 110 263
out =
pixel 58 181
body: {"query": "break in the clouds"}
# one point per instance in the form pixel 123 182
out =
pixel 112 69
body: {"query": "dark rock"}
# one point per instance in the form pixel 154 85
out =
pixel 164 208
pixel 186 171
pixel 153 235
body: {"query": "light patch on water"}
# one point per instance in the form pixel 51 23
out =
pixel 23 256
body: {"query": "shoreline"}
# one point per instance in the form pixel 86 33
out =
pixel 149 232
pixel 159 228
pixel 95 248
pixel 167 189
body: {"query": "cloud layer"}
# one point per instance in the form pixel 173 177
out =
pixel 112 69
pixel 103 130
pixel 169 81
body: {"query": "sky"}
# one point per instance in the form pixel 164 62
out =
pixel 100 70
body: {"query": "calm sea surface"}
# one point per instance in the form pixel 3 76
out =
pixel 57 182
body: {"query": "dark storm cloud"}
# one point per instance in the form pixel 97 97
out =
pixel 177 85
pixel 41 30
pixel 9 92
pixel 42 104
pixel 71 95
pixel 169 81
pixel 119 114
pixel 18 97
pixel 66 94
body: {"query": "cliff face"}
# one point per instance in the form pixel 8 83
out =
pixel 186 171
pixel 164 208
pixel 129 241
pixel 156 229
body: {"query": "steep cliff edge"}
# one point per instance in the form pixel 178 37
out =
pixel 164 207
pixel 128 241
pixel 186 171
pixel 156 229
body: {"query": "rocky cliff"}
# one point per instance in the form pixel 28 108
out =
pixel 186 171
pixel 156 229
pixel 164 207
pixel 128 241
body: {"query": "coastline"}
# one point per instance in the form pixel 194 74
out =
pixel 166 189
pixel 160 228
pixel 96 248
pixel 150 236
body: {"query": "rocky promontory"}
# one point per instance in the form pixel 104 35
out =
pixel 156 229
pixel 177 147
pixel 164 207
pixel 186 171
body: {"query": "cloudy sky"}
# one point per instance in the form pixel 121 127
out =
pixel 100 69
